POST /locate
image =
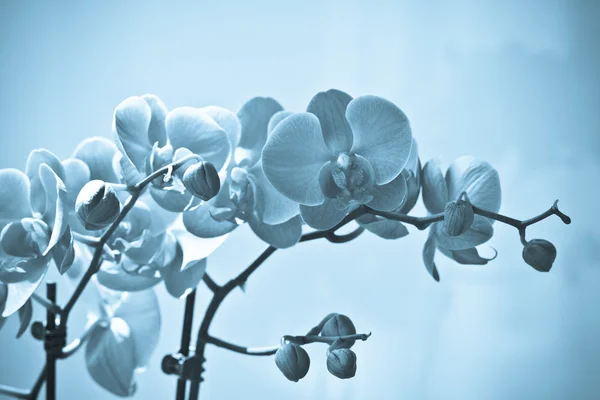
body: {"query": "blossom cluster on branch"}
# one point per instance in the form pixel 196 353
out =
pixel 117 213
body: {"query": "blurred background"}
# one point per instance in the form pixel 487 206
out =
pixel 515 83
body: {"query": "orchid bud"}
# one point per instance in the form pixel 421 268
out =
pixel 97 205
pixel 341 363
pixel 339 325
pixel 202 180
pixel 458 217
pixel 293 361
pixel 540 254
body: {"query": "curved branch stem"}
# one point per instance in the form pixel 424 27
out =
pixel 424 222
pixel 251 351
pixel 14 392
pixel 522 225
pixel 420 223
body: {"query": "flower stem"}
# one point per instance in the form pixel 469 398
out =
pixel 50 356
pixel 522 225
pixel 186 334
pixel 420 223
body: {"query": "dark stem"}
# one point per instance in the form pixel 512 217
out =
pixel 25 394
pixel 258 351
pixel 35 391
pixel 50 356
pixel 221 292
pixel 186 335
pixel 420 223
pixel 522 225
pixel 14 392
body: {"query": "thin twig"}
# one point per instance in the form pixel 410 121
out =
pixel 39 382
pixel 333 238
pixel 50 306
pixel 325 339
pixel 420 223
pixel 251 351
pixel 14 392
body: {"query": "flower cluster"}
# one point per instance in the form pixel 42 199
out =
pixel 154 203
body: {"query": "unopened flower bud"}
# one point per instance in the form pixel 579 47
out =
pixel 339 325
pixel 97 205
pixel 202 180
pixel 293 361
pixel 458 217
pixel 342 363
pixel 540 254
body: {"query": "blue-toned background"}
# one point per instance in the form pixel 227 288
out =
pixel 515 83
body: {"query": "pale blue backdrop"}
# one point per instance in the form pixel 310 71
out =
pixel 515 83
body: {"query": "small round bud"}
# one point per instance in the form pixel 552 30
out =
pixel 339 325
pixel 38 330
pixel 97 205
pixel 202 180
pixel 293 361
pixel 458 217
pixel 342 363
pixel 540 254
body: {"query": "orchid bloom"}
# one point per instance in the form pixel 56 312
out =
pixel 481 183
pixel 340 154
pixel 246 195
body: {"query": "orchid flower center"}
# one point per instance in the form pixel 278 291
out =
pixel 349 179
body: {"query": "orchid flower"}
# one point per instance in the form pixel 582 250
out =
pixel 481 183
pixel 246 195
pixel 340 154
